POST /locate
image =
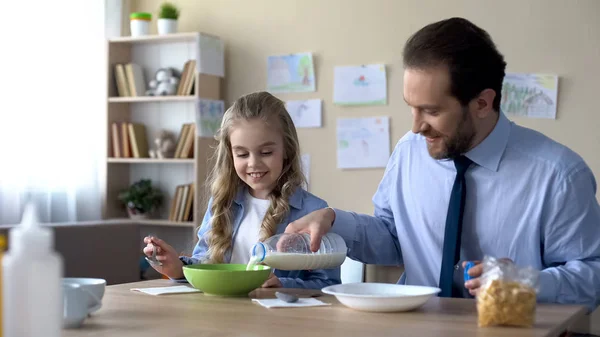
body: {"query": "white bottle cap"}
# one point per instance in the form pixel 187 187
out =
pixel 30 235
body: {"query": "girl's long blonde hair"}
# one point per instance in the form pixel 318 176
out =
pixel 224 182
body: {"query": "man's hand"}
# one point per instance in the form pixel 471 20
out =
pixel 316 224
pixel 475 272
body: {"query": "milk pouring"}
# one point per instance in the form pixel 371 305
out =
pixel 291 251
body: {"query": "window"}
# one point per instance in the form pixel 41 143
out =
pixel 52 109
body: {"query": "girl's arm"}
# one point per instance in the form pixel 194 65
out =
pixel 201 248
pixel 310 279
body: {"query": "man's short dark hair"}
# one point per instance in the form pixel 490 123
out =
pixel 466 50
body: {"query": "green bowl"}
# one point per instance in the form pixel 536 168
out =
pixel 226 279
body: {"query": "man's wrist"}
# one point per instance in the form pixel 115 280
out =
pixel 331 211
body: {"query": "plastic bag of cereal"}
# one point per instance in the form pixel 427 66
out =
pixel 507 295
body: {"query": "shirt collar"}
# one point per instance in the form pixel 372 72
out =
pixel 295 199
pixel 489 152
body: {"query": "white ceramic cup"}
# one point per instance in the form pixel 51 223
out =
pixel 93 289
pixel 75 301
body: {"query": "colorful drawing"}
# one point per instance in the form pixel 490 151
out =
pixel 360 85
pixel 363 142
pixel 209 115
pixel 305 114
pixel 530 95
pixel 290 73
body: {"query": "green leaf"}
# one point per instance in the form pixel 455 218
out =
pixel 168 11
pixel 141 196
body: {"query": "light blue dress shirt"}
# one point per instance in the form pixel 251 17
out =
pixel 301 203
pixel 528 198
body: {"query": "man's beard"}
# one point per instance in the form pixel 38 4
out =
pixel 460 142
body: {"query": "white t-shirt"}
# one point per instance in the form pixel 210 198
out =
pixel 248 232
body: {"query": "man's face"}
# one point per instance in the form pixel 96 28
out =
pixel 437 115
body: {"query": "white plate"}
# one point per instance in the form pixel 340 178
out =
pixel 381 297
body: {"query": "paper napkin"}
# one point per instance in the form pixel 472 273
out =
pixel 167 290
pixel 302 302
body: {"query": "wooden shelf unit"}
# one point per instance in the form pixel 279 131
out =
pixel 154 52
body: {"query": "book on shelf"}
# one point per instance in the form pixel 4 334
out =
pixel 188 78
pixel 182 202
pixel 116 142
pixel 129 140
pixel 138 140
pixel 185 144
pixel 125 141
pixel 130 80
pixel 121 80
pixel 135 79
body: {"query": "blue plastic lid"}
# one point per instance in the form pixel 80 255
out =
pixel 467 267
pixel 264 251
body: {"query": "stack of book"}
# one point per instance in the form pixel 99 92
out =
pixel 188 78
pixel 181 205
pixel 130 80
pixel 129 140
pixel 185 143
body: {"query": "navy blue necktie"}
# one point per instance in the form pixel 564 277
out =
pixel 453 230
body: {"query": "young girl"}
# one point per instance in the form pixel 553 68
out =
pixel 255 189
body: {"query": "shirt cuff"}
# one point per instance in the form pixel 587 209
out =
pixel 186 262
pixel 287 282
pixel 547 287
pixel 344 225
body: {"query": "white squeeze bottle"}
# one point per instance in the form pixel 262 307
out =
pixel 291 251
pixel 32 281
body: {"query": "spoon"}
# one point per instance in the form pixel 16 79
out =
pixel 289 298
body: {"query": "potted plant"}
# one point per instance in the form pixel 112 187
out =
pixel 141 199
pixel 140 23
pixel 167 18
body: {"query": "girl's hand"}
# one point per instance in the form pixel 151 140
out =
pixel 272 282
pixel 171 265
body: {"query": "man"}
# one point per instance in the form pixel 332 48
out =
pixel 467 182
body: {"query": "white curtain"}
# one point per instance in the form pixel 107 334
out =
pixel 52 109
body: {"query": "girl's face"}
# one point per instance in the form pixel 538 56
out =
pixel 257 154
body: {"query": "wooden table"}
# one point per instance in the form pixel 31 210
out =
pixel 131 314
